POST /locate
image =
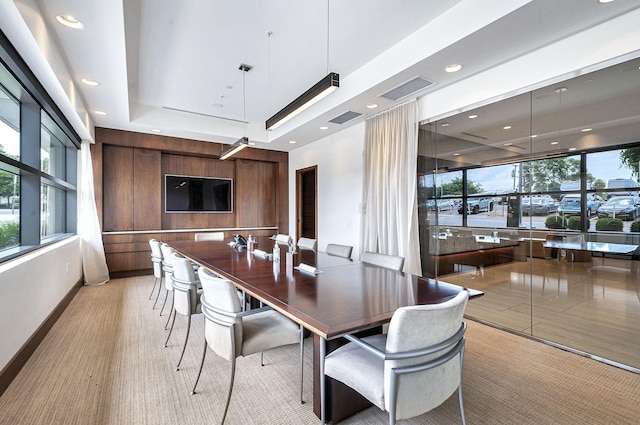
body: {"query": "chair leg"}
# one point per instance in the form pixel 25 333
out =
pixel 301 363
pixel 153 288
pixel 233 375
pixel 158 295
pixel 323 407
pixel 204 353
pixel 186 338
pixel 166 295
pixel 173 312
pixel 168 318
pixel 464 422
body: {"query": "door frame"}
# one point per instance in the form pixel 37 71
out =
pixel 299 175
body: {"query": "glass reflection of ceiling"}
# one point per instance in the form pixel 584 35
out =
pixel 606 101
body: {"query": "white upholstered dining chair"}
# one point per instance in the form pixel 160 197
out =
pixel 308 243
pixel 167 269
pixel 383 260
pixel 231 332
pixel 339 250
pixel 156 260
pixel 186 295
pixel 412 369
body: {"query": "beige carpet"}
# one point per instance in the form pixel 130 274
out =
pixel 103 363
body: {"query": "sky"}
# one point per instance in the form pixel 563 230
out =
pixel 9 139
pixel 602 165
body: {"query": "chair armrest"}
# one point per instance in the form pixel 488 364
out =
pixel 365 345
pixel 411 353
pixel 208 306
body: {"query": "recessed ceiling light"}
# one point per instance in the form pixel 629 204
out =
pixel 156 130
pixel 445 124
pixel 89 82
pixel 572 149
pixel 324 127
pixel 584 130
pixel 293 142
pixel 508 144
pixel 372 105
pixel 100 113
pixel 555 142
pixel 533 136
pixel 506 127
pixel 454 67
pixel 70 21
pixel 606 1
pixel 473 116
pixel 456 154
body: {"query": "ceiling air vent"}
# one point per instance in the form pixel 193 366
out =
pixel 347 116
pixel 407 89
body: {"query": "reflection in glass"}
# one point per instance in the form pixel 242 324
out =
pixel 53 213
pixel 52 148
pixel 532 175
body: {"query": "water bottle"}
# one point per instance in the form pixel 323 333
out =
pixel 276 252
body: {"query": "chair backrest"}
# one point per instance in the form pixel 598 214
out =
pixel 167 266
pixel 339 250
pixel 282 239
pixel 185 295
pixel 382 260
pixel 210 236
pixel 220 328
pixel 156 257
pixel 308 243
pixel 422 391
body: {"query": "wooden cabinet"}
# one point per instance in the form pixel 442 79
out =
pixel 129 170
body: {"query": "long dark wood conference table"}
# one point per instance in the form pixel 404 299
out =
pixel 345 296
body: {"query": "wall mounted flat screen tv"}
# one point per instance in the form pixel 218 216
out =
pixel 184 194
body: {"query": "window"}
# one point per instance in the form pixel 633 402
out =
pixel 38 151
pixel 549 226
pixel 9 176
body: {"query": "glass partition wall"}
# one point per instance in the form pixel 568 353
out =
pixel 534 200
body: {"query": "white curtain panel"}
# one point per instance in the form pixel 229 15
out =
pixel 390 199
pixel 94 264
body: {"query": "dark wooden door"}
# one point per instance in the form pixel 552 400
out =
pixel 307 202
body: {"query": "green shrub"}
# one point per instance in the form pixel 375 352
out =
pixel 556 222
pixel 574 223
pixel 9 234
pixel 611 224
pixel 635 226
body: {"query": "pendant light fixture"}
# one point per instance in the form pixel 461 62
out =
pixel 320 90
pixel 242 142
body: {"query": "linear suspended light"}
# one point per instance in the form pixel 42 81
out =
pixel 320 90
pixel 240 144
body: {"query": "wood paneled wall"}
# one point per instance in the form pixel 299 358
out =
pixel 129 171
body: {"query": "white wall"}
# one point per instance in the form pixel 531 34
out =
pixel 31 287
pixel 339 174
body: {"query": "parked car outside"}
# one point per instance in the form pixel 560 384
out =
pixel 539 205
pixel 623 207
pixel 445 205
pixel 570 204
pixel 476 205
pixel 626 187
